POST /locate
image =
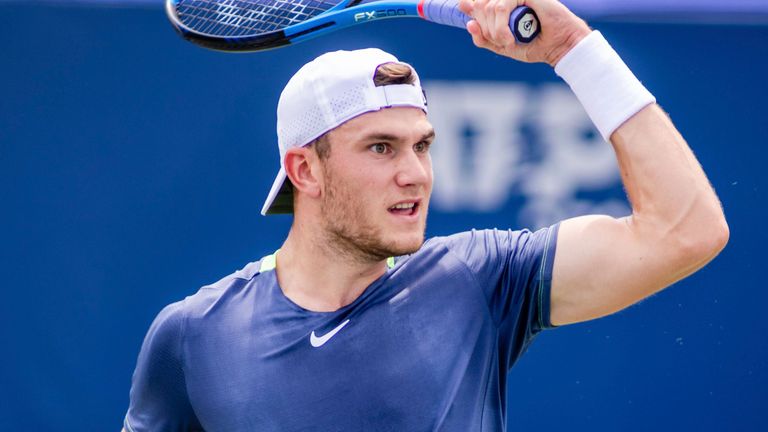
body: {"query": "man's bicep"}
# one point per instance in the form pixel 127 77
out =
pixel 603 265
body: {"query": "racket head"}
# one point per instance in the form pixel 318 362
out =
pixel 242 25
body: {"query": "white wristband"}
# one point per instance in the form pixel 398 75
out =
pixel 608 90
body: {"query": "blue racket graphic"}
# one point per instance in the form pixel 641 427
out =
pixel 256 25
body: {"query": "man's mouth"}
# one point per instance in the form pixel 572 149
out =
pixel 405 208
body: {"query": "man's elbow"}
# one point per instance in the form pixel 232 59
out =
pixel 717 233
pixel 706 240
pixel 722 235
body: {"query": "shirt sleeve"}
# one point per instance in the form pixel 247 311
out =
pixel 514 269
pixel 158 398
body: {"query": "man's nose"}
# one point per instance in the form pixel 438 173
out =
pixel 413 169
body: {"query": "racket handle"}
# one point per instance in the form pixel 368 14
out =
pixel 523 21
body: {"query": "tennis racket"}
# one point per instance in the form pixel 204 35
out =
pixel 256 25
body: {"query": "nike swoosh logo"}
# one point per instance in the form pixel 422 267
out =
pixel 317 342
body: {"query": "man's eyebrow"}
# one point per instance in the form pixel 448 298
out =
pixel 380 136
pixel 428 136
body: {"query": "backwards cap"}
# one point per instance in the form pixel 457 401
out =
pixel 325 93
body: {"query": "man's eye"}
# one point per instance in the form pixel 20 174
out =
pixel 421 147
pixel 379 148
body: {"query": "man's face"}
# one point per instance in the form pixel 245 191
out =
pixel 377 182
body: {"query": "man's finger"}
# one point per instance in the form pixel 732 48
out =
pixel 480 14
pixel 502 35
pixel 466 6
pixel 477 35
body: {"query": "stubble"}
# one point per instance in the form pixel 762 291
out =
pixel 349 232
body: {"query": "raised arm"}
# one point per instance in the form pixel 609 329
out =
pixel 604 264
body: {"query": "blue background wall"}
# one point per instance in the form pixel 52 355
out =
pixel 133 166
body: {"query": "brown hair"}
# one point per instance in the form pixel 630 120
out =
pixel 393 73
pixel 386 74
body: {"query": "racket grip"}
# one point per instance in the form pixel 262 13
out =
pixel 523 21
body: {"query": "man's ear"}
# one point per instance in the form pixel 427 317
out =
pixel 303 168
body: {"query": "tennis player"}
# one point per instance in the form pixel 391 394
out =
pixel 357 323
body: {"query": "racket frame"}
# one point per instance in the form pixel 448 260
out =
pixel 342 15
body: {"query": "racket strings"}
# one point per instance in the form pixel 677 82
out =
pixel 233 18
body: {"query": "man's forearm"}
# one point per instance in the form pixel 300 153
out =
pixel 671 197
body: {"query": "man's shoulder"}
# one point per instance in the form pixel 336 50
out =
pixel 466 238
pixel 224 290
pixel 477 247
pixel 456 240
pixel 437 247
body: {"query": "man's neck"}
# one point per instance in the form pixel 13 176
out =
pixel 315 278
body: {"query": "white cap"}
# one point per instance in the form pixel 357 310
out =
pixel 325 93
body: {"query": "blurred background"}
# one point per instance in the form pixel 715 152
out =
pixel 133 166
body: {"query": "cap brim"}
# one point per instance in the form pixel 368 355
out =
pixel 280 198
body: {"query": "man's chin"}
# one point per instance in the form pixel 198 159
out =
pixel 407 247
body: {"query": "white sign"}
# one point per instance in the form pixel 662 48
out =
pixel 496 139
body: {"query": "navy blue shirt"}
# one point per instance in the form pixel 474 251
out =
pixel 426 347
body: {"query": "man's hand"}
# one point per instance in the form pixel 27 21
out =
pixel 561 30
